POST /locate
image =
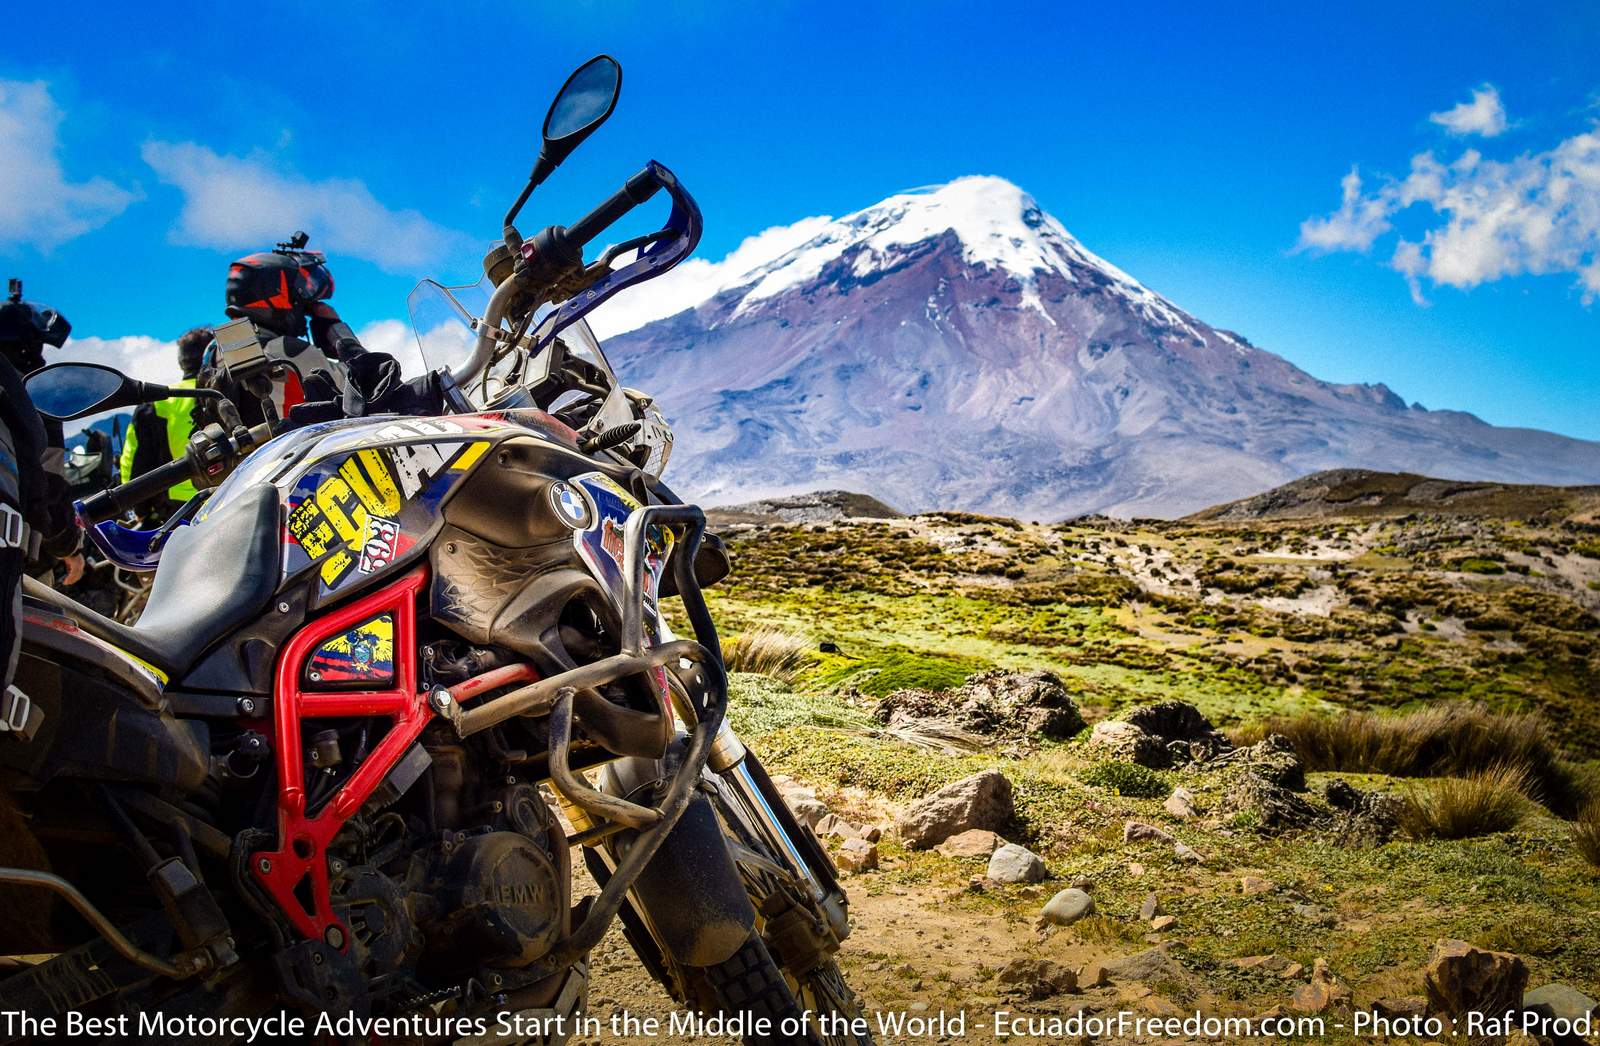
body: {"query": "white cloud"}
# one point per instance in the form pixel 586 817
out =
pixel 243 202
pixel 696 280
pixel 38 205
pixel 1483 115
pixel 395 338
pixel 1485 219
pixel 1358 221
pixel 137 355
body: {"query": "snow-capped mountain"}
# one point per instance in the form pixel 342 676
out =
pixel 956 347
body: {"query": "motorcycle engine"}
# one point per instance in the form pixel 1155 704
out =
pixel 463 883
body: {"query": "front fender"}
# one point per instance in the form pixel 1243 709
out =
pixel 691 894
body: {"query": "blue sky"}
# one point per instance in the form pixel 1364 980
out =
pixel 144 147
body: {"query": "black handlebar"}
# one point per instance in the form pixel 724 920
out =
pixel 635 191
pixel 109 504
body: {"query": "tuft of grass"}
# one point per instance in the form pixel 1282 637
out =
pixel 1586 833
pixel 1482 803
pixel 1446 739
pixel 1129 779
pixel 768 651
pixel 895 668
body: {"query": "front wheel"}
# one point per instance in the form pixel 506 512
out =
pixel 816 1008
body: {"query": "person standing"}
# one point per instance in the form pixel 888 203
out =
pixel 25 330
pixel 160 431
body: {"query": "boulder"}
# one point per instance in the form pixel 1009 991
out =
pixel 1362 818
pixel 1011 863
pixel 1461 978
pixel 857 855
pixel 1273 758
pixel 1150 908
pixel 1180 804
pixel 975 842
pixel 1067 907
pixel 1183 730
pixel 1162 923
pixel 834 825
pixel 1129 744
pixel 1270 806
pixel 1405 1008
pixel 1139 832
pixel 991 704
pixel 1276 965
pixel 1092 975
pixel 1563 1003
pixel 1151 966
pixel 1254 886
pixel 1323 992
pixel 1038 978
pixel 980 801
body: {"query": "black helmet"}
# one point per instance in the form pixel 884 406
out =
pixel 26 328
pixel 276 288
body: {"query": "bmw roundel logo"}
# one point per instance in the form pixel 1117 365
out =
pixel 571 507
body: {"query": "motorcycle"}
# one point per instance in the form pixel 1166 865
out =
pixel 313 779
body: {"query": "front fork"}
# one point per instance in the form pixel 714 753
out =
pixel 715 888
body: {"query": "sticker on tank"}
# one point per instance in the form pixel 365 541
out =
pixel 357 514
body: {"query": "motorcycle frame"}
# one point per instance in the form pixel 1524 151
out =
pixel 303 839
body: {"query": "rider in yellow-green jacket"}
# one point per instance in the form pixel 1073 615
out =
pixel 160 431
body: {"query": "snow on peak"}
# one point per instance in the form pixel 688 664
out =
pixel 998 224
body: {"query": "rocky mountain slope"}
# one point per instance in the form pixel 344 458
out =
pixel 1361 492
pixel 957 347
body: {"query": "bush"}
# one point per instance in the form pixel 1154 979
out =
pixel 1586 833
pixel 1446 739
pixel 1481 803
pixel 1476 565
pixel 896 668
pixel 768 651
pixel 1128 779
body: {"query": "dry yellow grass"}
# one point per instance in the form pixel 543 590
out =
pixel 1456 739
pixel 1481 803
pixel 1586 833
pixel 769 651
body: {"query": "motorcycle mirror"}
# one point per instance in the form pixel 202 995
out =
pixel 581 106
pixel 67 391
pixel 584 102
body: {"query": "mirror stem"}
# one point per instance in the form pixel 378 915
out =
pixel 541 170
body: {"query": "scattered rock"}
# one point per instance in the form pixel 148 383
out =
pixel 1092 975
pixel 1180 803
pixel 1150 966
pixel 1314 914
pixel 872 833
pixel 1273 758
pixel 1067 907
pixel 1277 965
pixel 1254 886
pixel 980 801
pixel 1139 832
pixel 1185 852
pixel 1135 869
pixel 1323 992
pixel 1410 1007
pixel 990 704
pixel 857 855
pixel 1362 818
pixel 1126 742
pixel 1016 864
pixel 1268 805
pixel 1162 923
pixel 1560 1001
pixel 1038 978
pixel 1461 978
pixel 1183 730
pixel 834 825
pixel 1150 908
pixel 975 842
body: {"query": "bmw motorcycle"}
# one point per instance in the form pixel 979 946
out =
pixel 393 674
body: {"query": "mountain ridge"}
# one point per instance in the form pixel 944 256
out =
pixel 958 348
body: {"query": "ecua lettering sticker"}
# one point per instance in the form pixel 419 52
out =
pixel 357 515
pixel 364 654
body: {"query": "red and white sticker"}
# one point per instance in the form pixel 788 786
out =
pixel 380 544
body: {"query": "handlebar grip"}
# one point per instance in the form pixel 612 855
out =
pixel 108 504
pixel 635 191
